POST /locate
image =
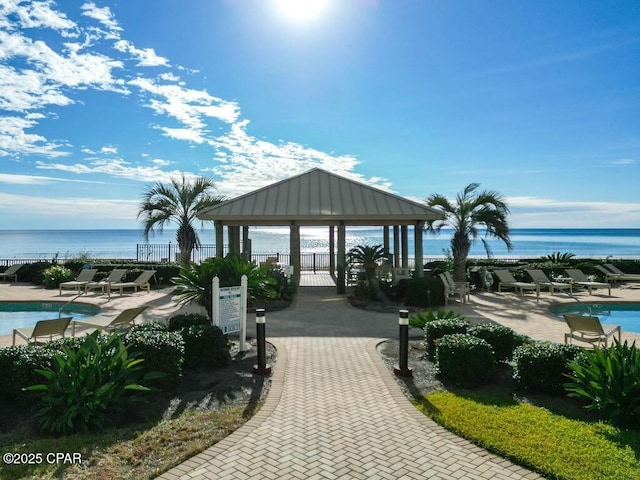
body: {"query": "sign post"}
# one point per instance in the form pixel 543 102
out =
pixel 229 309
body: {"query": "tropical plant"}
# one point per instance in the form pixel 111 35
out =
pixel 178 202
pixel 420 319
pixel 195 280
pixel 470 211
pixel 609 378
pixel 370 257
pixel 55 275
pixel 86 388
pixel 557 257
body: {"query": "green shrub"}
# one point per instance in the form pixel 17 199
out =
pixel 18 365
pixel 424 292
pixel 463 359
pixel 419 320
pixel 185 320
pixel 205 348
pixel 609 378
pixel 55 275
pixel 502 339
pixel 436 330
pixel 87 388
pixel 162 351
pixel 543 366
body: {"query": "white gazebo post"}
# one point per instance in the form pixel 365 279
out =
pixel 342 260
pixel 417 234
pixel 294 253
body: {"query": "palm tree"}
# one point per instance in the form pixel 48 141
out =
pixel 370 257
pixel 471 210
pixel 178 202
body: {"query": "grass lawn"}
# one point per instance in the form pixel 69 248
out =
pixel 142 451
pixel 556 444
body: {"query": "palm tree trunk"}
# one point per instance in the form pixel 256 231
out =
pixel 372 279
pixel 460 247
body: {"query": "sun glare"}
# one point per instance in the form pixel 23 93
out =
pixel 301 10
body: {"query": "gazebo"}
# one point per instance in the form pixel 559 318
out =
pixel 321 198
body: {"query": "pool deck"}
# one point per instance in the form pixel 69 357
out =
pixel 334 410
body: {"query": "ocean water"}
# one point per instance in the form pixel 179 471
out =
pixel 528 243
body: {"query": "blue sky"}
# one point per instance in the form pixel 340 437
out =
pixel 539 100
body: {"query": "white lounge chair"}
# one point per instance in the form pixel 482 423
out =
pixel 454 289
pixel 43 328
pixel 116 275
pixel 85 276
pixel 620 275
pixel 540 279
pixel 505 279
pixel 123 320
pixel 141 282
pixel 589 329
pixel 11 272
pixel 579 278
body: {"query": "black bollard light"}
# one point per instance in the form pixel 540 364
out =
pixel 402 369
pixel 261 368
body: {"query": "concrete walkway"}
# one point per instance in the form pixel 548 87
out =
pixel 335 412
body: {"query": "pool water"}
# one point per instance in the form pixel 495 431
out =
pixel 627 315
pixel 26 314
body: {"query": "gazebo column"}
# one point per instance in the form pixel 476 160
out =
pixel 396 246
pixel 294 254
pixel 405 246
pixel 385 239
pixel 234 240
pixel 246 244
pixel 419 226
pixel 219 238
pixel 342 260
pixel 332 251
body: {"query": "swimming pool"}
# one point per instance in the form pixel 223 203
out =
pixel 627 315
pixel 26 314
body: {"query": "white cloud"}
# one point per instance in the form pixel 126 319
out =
pixel 17 179
pixel 15 141
pixel 169 77
pixel 146 57
pixel 107 149
pixel 160 162
pixel 116 168
pixel 623 161
pixel 534 212
pixel 248 163
pixel 104 16
pixel 70 207
pixel 35 15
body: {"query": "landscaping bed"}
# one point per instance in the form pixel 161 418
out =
pixel 173 425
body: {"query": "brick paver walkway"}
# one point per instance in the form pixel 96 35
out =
pixel 335 412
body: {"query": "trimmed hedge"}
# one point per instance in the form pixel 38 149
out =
pixel 502 339
pixel 433 331
pixel 186 320
pixel 464 359
pixel 162 351
pixel 543 366
pixel 205 348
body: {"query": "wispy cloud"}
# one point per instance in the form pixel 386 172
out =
pixel 14 139
pixel 546 212
pixel 95 54
pixel 146 57
pixel 74 207
pixel 116 168
pixel 622 161
pixel 248 163
pixel 17 179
